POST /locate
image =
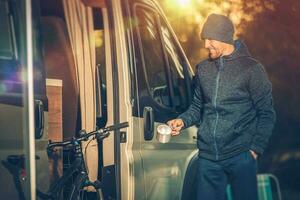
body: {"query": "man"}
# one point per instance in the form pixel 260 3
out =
pixel 233 105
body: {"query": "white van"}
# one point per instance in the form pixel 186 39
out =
pixel 141 76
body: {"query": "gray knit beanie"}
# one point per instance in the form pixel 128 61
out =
pixel 218 27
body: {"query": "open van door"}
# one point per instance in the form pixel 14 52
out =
pixel 164 80
pixel 14 101
pixel 160 80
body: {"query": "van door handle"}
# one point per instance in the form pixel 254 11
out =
pixel 39 119
pixel 148 123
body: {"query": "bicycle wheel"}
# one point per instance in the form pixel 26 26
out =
pixel 77 191
pixel 99 194
pixel 85 195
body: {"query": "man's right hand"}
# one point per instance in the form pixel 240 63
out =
pixel 176 125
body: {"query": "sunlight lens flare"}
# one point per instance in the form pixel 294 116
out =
pixel 183 3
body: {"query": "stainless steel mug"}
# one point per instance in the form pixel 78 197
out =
pixel 163 133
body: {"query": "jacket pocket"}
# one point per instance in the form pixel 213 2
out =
pixel 203 135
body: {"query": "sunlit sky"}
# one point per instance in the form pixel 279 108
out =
pixel 195 11
pixel 187 17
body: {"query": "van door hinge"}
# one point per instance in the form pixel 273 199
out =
pixel 123 137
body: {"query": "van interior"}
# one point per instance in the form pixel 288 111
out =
pixel 59 64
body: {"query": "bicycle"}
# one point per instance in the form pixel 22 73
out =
pixel 15 165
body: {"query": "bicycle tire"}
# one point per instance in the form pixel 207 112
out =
pixel 76 187
pixel 85 195
pixel 100 195
pixel 77 191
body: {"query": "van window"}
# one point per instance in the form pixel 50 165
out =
pixel 10 79
pixel 152 56
pixel 6 36
pixel 160 71
pixel 13 53
pixel 175 61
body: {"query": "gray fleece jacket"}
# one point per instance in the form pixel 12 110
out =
pixel 232 104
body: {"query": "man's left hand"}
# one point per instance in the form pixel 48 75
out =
pixel 253 154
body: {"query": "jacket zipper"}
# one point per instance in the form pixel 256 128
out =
pixel 215 105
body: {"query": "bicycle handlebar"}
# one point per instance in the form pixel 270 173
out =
pixel 84 136
pixel 117 126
